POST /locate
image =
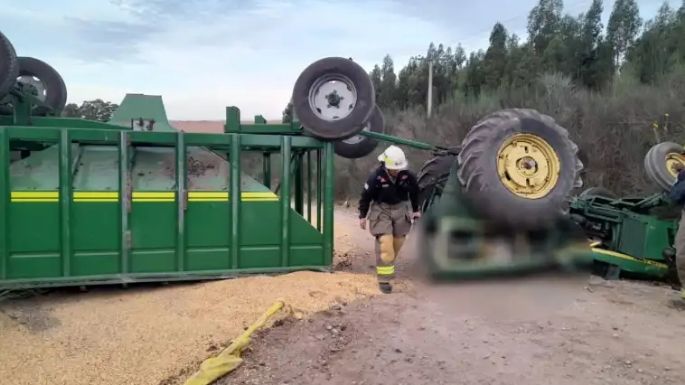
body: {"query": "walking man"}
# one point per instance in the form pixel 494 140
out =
pixel 677 195
pixel 385 201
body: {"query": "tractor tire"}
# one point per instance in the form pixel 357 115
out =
pixel 9 66
pixel 659 159
pixel 333 98
pixel 598 192
pixel 433 177
pixel 507 150
pixel 360 146
pixel 55 91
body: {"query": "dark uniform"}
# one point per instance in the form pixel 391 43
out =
pixel 677 195
pixel 385 203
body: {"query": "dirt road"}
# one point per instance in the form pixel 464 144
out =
pixel 596 332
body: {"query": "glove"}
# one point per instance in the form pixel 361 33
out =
pixel 362 223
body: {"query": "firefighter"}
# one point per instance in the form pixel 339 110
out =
pixel 385 202
pixel 677 195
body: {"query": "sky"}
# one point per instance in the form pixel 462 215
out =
pixel 203 55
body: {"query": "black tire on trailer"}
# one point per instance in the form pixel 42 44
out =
pixel 360 146
pixel 659 163
pixel 333 98
pixel 433 177
pixel 598 192
pixel 9 66
pixel 47 81
pixel 518 167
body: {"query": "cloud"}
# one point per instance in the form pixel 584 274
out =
pixel 108 40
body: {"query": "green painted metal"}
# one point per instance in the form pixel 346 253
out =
pixel 328 203
pixel 118 205
pixel 65 172
pixel 235 203
pixel 4 202
pixel 299 196
pixel 285 199
pixel 401 141
pixel 632 233
pixel 145 107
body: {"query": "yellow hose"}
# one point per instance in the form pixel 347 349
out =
pixel 229 359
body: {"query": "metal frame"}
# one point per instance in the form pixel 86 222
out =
pixel 263 138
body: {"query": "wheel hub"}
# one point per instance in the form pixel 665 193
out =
pixel 528 166
pixel 673 160
pixel 35 85
pixel 332 97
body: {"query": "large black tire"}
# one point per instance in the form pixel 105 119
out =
pixel 346 72
pixel 360 146
pixel 656 165
pixel 598 192
pixel 433 177
pixel 480 179
pixel 9 66
pixel 55 90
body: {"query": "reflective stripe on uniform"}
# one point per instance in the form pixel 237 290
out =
pixel 385 270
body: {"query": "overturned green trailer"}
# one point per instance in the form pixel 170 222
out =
pixel 107 203
pixel 133 200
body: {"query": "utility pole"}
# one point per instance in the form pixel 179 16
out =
pixel 429 102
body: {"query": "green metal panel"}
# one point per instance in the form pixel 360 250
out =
pixel 4 200
pixel 235 202
pixel 328 204
pixel 632 237
pixel 65 170
pixel 285 200
pixel 34 245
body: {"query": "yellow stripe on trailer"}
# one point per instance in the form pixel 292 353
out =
pixel 154 195
pixel 223 196
pixel 258 194
pixel 34 196
pixel 218 195
pixel 96 195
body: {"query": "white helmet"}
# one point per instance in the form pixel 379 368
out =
pixel 394 158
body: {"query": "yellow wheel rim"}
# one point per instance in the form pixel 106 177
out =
pixel 672 160
pixel 528 166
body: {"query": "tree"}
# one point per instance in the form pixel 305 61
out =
pixel 91 109
pixel 459 56
pixel 595 65
pixel 655 53
pixel 592 26
pixel 624 25
pixel 375 76
pixel 288 113
pixel 71 111
pixel 495 61
pixel 543 23
pixel 388 83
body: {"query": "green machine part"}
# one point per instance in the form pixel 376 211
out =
pixel 91 203
pixel 634 235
